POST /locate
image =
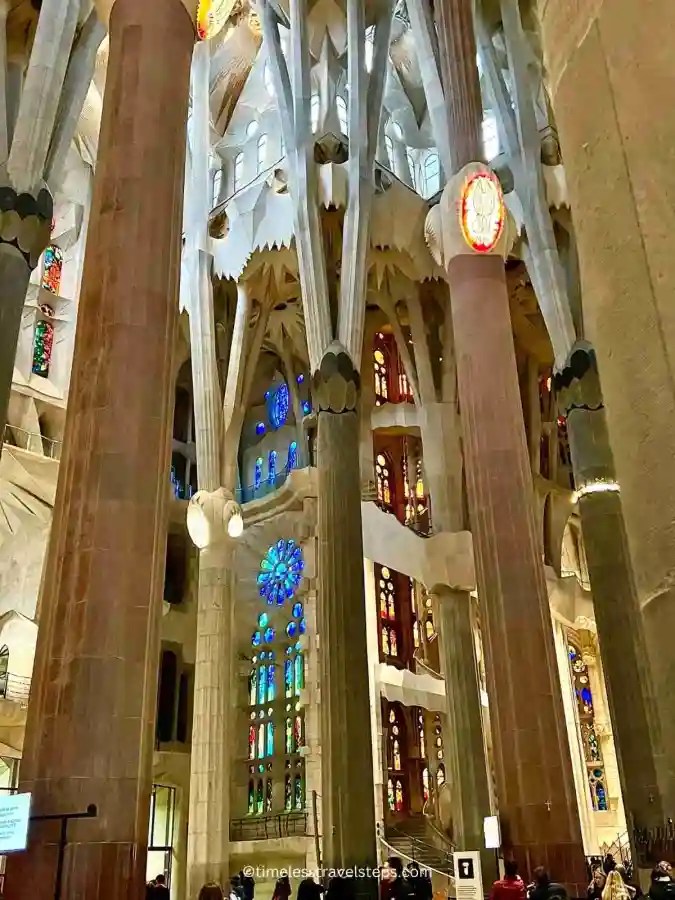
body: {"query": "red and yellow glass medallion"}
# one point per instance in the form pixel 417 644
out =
pixel 482 211
pixel 212 16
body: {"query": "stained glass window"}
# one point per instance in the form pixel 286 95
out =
pixel 298 792
pixel 586 717
pixel 341 105
pixel 262 684
pixel 269 635
pixel 271 683
pixel 398 792
pixel 383 479
pixel 278 405
pixel 251 798
pixel 299 674
pixel 290 747
pixel 288 678
pixel 388 612
pixel 280 572
pixel 381 371
pixel 302 625
pixel 440 775
pixel 261 741
pixel 238 172
pixel 252 686
pixel 297 732
pixel 251 742
pixel 288 793
pixel 257 478
pixel 259 798
pixel 292 462
pixel 292 629
pixel 53 267
pixel 43 343
pixel 297 610
pixel 438 738
pixel 425 783
pixel 422 737
pixel 270 739
pixel 272 467
pixel 391 799
pixel 268 795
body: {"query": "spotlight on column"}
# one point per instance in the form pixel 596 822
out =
pixel 213 516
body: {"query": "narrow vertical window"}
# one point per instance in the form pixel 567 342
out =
pixel 53 267
pixel 262 152
pixel 238 171
pixel 341 105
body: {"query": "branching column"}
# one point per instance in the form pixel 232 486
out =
pixel 537 803
pixel 346 756
pixel 646 774
pixel 90 730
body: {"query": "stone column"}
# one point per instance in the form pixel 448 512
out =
pixel 537 803
pixel 618 171
pixel 646 771
pixel 215 707
pixel 465 749
pixel 25 226
pixel 346 755
pixel 90 731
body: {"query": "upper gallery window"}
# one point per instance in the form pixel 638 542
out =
pixel 315 111
pixel 238 171
pixel 261 151
pixel 432 174
pixel 217 182
pixel 341 104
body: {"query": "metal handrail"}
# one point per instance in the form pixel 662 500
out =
pixel 263 828
pixel 423 665
pixel 15 688
pixel 33 442
pixel 395 851
pixel 416 842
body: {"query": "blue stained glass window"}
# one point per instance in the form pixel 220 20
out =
pixel 291 629
pixel 280 572
pixel 260 428
pixel 272 467
pixel 253 686
pixel 306 407
pixel 263 620
pixel 289 736
pixel 270 739
pixel 292 462
pixel 288 799
pixel 278 404
pixel 299 801
pixel 256 639
pixel 300 378
pixel 262 684
pixel 288 678
pixel 297 610
pixel 271 683
pixel 299 673
pixel 269 634
pixel 303 625
pixel 257 478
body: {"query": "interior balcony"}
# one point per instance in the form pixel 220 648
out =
pixel 395 418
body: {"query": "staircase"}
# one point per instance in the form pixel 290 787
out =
pixel 415 840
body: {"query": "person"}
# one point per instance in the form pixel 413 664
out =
pixel 634 890
pixel 282 889
pixel 596 886
pixel 236 888
pixel 662 886
pixel 247 885
pixel 614 888
pixel 608 864
pixel 545 889
pixel 160 890
pixel 511 886
pixel 308 889
pixel 211 891
pixel 150 890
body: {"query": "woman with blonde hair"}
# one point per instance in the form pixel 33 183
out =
pixel 615 888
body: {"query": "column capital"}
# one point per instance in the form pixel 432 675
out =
pixel 336 384
pixel 213 518
pixel 25 219
pixel 471 219
pixel 578 383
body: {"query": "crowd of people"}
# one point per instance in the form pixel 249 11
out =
pixel 609 881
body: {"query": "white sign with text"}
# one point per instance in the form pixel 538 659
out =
pixel 468 877
pixel 14 817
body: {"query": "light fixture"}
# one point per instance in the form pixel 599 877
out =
pixel 235 527
pixel 596 487
pixel 212 516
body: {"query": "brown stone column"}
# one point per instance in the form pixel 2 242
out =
pixel 645 771
pixel 348 810
pixel 91 718
pixel 537 804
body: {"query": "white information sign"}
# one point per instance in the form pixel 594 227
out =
pixel 468 878
pixel 493 839
pixel 14 816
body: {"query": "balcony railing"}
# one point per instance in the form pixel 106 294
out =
pixel 15 688
pixel 32 441
pixel 264 828
pixel 267 486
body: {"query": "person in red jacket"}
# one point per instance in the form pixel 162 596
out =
pixel 511 886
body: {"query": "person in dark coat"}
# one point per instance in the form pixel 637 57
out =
pixel 596 887
pixel 282 889
pixel 211 891
pixel 662 886
pixel 160 890
pixel 247 886
pixel 545 889
pixel 308 889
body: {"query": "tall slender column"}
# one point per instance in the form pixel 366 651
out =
pixel 646 771
pixel 466 751
pixel 90 728
pixel 346 755
pixel 537 804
